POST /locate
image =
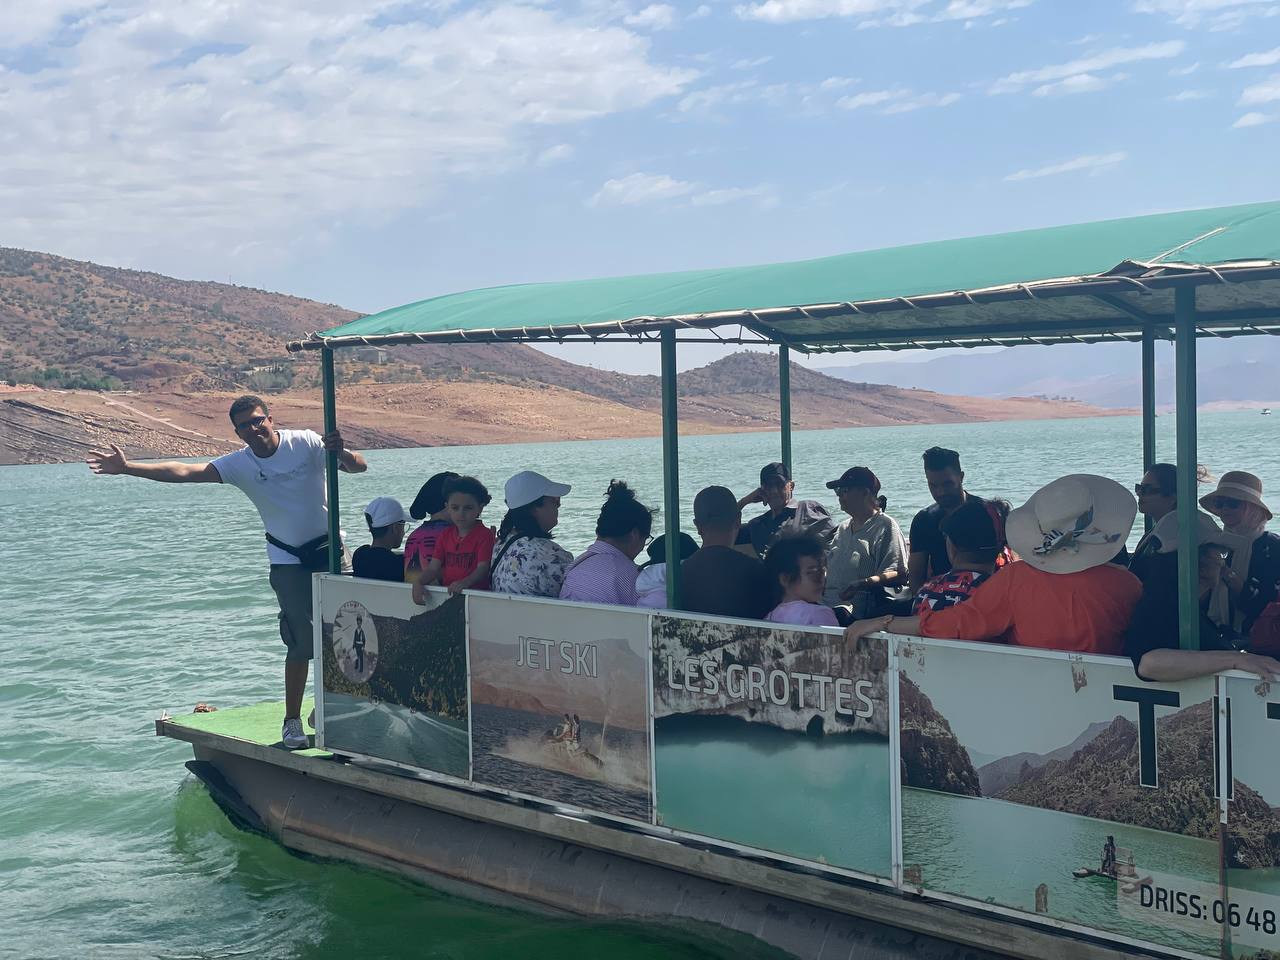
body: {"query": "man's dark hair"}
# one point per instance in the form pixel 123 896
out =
pixel 470 486
pixel 245 404
pixel 1166 475
pixel 940 458
pixel 430 498
pixel 374 532
pixel 972 530
pixel 622 513
pixel 716 508
pixel 783 559
pixel 521 520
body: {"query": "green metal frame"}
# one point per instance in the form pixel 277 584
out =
pixel 331 458
pixel 784 401
pixel 1185 400
pixel 1148 405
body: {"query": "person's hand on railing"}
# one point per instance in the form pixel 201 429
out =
pixel 1268 668
pixel 861 628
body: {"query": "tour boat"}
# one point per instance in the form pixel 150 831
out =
pixel 771 781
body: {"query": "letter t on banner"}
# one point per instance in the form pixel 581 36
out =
pixel 1147 699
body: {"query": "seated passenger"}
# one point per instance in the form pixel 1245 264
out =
pixel 867 566
pixel 1064 594
pixel 464 550
pixel 1248 581
pixel 718 579
pixel 428 506
pixel 606 572
pixel 526 561
pixel 379 560
pixel 797 565
pixel 1152 640
pixel 651 584
pixel 786 515
pixel 972 548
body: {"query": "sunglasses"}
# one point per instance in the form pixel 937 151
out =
pixel 251 424
pixel 1142 489
pixel 1227 503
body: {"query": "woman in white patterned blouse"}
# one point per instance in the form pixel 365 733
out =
pixel 526 560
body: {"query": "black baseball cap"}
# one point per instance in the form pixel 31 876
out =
pixel 772 473
pixel 856 477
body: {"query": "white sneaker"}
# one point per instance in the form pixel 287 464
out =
pixel 294 737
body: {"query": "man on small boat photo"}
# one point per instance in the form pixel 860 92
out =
pixel 282 473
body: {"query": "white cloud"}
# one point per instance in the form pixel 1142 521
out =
pixel 899 100
pixel 750 64
pixel 1253 119
pixel 1268 58
pixel 1265 92
pixel 1078 83
pixel 1220 14
pixel 837 83
pixel 714 198
pixel 638 188
pixel 135 146
pixel 555 154
pixel 702 11
pixel 1187 95
pixel 656 16
pixel 1104 60
pixel 1185 71
pixel 705 100
pixel 1089 162
pixel 875 13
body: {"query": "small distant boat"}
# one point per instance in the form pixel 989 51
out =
pixel 1123 867
pixel 1266 411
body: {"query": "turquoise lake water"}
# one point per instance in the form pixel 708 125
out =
pixel 123 598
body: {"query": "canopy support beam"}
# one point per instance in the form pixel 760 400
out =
pixel 1185 399
pixel 671 468
pixel 1148 403
pixel 331 458
pixel 784 401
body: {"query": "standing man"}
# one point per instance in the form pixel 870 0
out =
pixel 283 473
pixel 928 557
pixel 786 515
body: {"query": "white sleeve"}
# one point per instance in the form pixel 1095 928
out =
pixel 231 467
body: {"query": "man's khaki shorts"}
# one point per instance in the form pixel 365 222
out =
pixel 292 584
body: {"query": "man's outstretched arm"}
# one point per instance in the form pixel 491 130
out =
pixel 167 471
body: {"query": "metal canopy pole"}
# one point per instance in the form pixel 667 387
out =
pixel 1148 404
pixel 671 467
pixel 1185 394
pixel 331 458
pixel 784 401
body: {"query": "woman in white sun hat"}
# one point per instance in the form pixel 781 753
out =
pixel 1248 579
pixel 1064 593
pixel 526 561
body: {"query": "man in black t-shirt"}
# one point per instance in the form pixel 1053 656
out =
pixel 718 579
pixel 785 516
pixel 380 560
pixel 928 557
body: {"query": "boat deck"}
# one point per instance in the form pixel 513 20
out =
pixel 258 724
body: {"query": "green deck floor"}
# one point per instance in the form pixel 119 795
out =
pixel 259 724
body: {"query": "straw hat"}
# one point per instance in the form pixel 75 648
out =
pixel 1076 522
pixel 1237 485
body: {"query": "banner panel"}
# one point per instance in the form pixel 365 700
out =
pixel 1058 785
pixel 394 674
pixel 774 738
pixel 560 702
pixel 1251 905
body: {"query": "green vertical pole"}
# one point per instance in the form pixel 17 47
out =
pixel 1184 313
pixel 1148 403
pixel 331 458
pixel 671 467
pixel 784 400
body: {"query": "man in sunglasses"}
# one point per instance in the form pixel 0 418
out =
pixel 283 473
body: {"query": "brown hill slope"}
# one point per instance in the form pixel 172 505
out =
pixel 181 349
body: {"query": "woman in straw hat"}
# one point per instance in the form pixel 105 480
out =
pixel 1248 580
pixel 1064 594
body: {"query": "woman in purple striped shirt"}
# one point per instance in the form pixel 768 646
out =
pixel 606 572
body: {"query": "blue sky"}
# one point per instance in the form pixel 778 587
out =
pixel 374 154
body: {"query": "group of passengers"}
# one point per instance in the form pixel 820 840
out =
pixel 1053 573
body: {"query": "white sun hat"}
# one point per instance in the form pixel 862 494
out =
pixel 526 487
pixel 1076 522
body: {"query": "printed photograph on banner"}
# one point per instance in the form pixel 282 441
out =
pixel 774 738
pixel 560 703
pixel 1055 785
pixel 1252 849
pixel 395 674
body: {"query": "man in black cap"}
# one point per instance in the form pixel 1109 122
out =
pixel 786 515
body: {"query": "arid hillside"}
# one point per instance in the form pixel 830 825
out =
pixel 172 353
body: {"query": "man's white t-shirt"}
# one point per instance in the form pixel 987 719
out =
pixel 288 488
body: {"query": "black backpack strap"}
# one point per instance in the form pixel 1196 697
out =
pixel 507 546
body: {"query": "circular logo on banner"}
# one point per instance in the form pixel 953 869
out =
pixel 355 641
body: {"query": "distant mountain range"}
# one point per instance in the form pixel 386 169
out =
pixel 998 775
pixel 1235 371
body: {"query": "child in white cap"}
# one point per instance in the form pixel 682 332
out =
pixel 380 560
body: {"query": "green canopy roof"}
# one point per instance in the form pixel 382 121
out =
pixel 1085 281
